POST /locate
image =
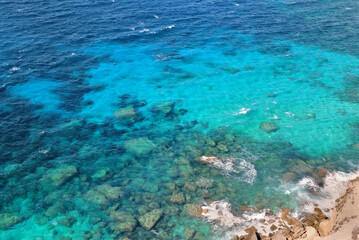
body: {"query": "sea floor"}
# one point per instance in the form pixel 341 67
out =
pixel 116 151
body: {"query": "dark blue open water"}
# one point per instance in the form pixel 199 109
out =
pixel 106 105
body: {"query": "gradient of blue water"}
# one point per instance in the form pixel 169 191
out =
pixel 213 58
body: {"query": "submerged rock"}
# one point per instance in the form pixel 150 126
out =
pixel 103 194
pixel 355 146
pixel 269 127
pixel 206 160
pixel 289 176
pixel 193 210
pixel 127 115
pixel 123 221
pixel 178 198
pixel 8 220
pixel 149 220
pixel 102 174
pixel 140 146
pixel 163 109
pixel 67 221
pixel 55 177
pixel 230 69
pixel 188 233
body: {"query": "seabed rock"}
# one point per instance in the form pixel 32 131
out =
pixel 8 220
pixel 188 233
pixel 206 160
pixel 269 127
pixel 56 177
pixel 102 174
pixel 140 146
pixel 163 109
pixel 67 221
pixel 123 221
pixel 178 198
pixel 193 210
pixel 128 115
pixel 149 220
pixel 103 194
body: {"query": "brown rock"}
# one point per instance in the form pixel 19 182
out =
pixel 322 171
pixel 278 236
pixel 251 236
pixel 251 229
pixel 324 228
pixel 311 233
pixel 273 227
pixel 206 160
pixel 298 231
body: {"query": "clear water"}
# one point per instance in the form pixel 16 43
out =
pixel 200 78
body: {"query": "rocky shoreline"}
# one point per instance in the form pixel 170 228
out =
pixel 343 224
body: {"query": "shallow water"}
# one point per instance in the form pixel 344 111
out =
pixel 106 108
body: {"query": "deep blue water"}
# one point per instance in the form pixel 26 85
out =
pixel 130 94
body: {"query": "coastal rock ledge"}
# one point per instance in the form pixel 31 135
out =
pixel 342 225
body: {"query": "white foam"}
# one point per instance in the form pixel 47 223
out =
pixel 144 30
pixel 235 167
pixel 168 27
pixel 228 225
pixel 334 185
pixel 15 69
pixel 274 117
pixel 242 111
pixel 291 115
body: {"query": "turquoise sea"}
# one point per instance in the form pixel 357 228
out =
pixel 169 120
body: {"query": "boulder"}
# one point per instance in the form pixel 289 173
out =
pixel 251 236
pixel 222 147
pixel 289 176
pixel 204 183
pixel 163 109
pixel 178 198
pixel 206 160
pixel 102 174
pixel 56 177
pixel 112 193
pixel 7 220
pixel 269 127
pixel 193 210
pixel 149 220
pixel 322 172
pixel 355 146
pixel 311 233
pixel 103 194
pixel 278 236
pixel 140 146
pixel 67 221
pixel 96 197
pixel 324 228
pixel 127 116
pixel 122 221
pixel 188 233
pixel 190 186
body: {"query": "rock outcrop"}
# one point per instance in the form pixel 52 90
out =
pixel 56 177
pixel 342 225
